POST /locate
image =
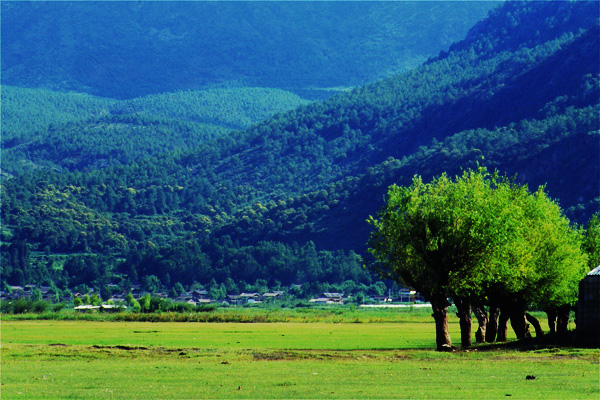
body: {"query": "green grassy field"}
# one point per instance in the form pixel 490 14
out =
pixel 142 360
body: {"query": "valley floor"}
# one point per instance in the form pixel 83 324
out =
pixel 141 360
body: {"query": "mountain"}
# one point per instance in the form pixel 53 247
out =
pixel 286 199
pixel 132 49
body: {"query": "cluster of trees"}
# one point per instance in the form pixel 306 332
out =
pixel 190 261
pixel 185 261
pixel 25 112
pixel 483 241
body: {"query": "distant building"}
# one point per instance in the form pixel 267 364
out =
pixel 381 299
pixel 406 296
pixel 271 295
pixel 588 308
pixel 329 298
pixel 199 295
pixel 244 298
pixel 250 298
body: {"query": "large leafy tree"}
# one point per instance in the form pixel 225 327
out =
pixel 476 238
pixel 540 267
pixel 433 236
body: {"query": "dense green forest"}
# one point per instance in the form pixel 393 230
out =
pixel 155 190
pixel 40 127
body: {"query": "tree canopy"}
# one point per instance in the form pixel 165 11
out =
pixel 478 237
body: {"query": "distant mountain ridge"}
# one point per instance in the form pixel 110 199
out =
pixel 132 49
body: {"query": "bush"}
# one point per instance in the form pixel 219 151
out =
pixel 207 307
pixel 39 306
pixel 23 306
pixel 6 307
pixel 58 307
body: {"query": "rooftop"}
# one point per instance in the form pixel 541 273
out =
pixel 595 271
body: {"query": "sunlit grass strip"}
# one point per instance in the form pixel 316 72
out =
pixel 334 336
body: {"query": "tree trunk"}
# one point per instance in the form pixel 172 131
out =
pixel 502 326
pixel 442 334
pixel 536 325
pixel 492 325
pixel 562 320
pixel 482 321
pixel 551 313
pixel 464 314
pixel 518 321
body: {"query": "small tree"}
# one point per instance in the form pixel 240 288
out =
pixel 36 294
pixel 136 306
pixel 96 300
pixel 129 299
pixel 178 289
pixel 144 303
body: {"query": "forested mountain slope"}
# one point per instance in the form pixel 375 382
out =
pixel 42 128
pixel 286 199
pixel 132 49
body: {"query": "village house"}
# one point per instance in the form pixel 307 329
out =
pixel 588 308
pixel 329 298
pixel 250 298
pixel 380 299
pixel 16 292
pixel 243 298
pixel 406 296
pixel 233 299
pixel 199 295
pixel 271 295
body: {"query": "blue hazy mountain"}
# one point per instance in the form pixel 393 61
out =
pixel 130 49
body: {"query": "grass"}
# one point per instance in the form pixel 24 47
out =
pixel 142 360
pixel 335 314
pixel 255 336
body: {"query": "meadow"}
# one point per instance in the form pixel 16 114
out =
pixel 71 359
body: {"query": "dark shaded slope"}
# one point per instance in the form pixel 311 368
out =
pixel 521 24
pixel 324 142
pixel 559 151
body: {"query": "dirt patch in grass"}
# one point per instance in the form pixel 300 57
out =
pixel 120 347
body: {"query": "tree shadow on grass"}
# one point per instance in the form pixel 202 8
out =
pixel 547 341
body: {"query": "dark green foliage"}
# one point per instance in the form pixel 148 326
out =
pixel 591 241
pixel 23 306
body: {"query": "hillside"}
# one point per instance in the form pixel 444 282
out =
pixel 286 199
pixel 133 49
pixel 48 129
